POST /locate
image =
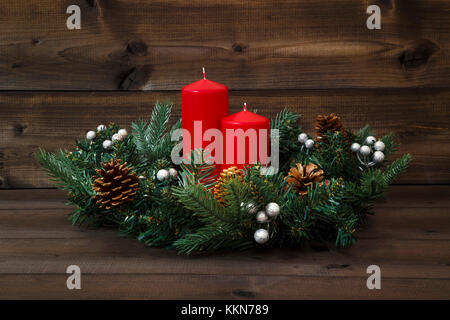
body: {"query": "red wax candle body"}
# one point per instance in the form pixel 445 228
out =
pixel 246 139
pixel 205 101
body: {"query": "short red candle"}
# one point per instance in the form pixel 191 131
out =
pixel 205 101
pixel 252 146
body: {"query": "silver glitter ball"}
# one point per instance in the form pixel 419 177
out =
pixel 251 208
pixel 355 147
pixel 90 135
pixel 162 175
pixel 272 210
pixel 378 156
pixel 117 137
pixel 123 132
pixel 261 217
pixel 261 236
pixel 379 146
pixel 365 150
pixel 173 172
pixel 370 140
pixel 302 137
pixel 107 144
pixel 309 143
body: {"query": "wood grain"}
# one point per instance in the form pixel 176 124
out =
pixel 410 212
pixel 313 57
pixel 191 287
pixel 36 246
pixel 419 119
pixel 160 45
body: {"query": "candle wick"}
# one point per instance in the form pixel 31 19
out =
pixel 204 74
pixel 245 106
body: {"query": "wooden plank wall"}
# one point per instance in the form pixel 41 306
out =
pixel 315 57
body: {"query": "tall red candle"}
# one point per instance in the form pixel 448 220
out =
pixel 246 139
pixel 204 103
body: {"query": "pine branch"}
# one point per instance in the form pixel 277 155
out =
pixel 200 201
pixel 396 167
pixel 64 172
pixel 212 238
pixel 284 118
pixel 198 171
pixel 148 138
pixel 158 124
pixel 141 134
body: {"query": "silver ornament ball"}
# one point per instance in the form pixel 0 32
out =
pixel 364 150
pixel 261 217
pixel 272 210
pixel 141 178
pixel 378 156
pixel 370 140
pixel 90 135
pixel 309 143
pixel 123 132
pixel 162 175
pixel 107 144
pixel 117 137
pixel 251 208
pixel 302 137
pixel 261 236
pixel 101 127
pixel 173 172
pixel 379 146
pixel 355 147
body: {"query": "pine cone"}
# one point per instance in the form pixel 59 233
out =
pixel 302 176
pixel 115 185
pixel 225 176
pixel 327 123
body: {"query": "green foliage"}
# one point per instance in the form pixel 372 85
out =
pixel 153 139
pixel 288 130
pixel 182 212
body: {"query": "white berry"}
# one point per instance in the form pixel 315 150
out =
pixel 101 127
pixel 107 144
pixel 378 156
pixel 309 143
pixel 251 208
pixel 302 137
pixel 162 175
pixel 370 140
pixel 379 146
pixel 117 137
pixel 261 217
pixel 90 135
pixel 261 236
pixel 355 147
pixel 272 209
pixel 123 132
pixel 173 172
pixel 141 178
pixel 365 150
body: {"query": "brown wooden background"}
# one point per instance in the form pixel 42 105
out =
pixel 313 57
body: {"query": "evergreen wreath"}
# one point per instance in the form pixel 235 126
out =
pixel 323 191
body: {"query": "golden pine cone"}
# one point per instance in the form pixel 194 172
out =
pixel 327 123
pixel 303 176
pixel 226 175
pixel 115 184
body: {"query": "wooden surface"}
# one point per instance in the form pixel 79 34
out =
pixel 409 238
pixel 55 83
pixel 161 45
pixel 311 56
pixel 419 119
